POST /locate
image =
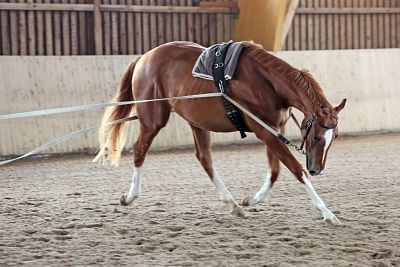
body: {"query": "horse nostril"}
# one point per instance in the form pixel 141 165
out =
pixel 313 173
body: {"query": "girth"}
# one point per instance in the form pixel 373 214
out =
pixel 232 112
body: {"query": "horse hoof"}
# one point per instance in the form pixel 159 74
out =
pixel 332 220
pixel 246 202
pixel 123 201
pixel 238 212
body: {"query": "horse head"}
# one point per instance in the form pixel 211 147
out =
pixel 318 132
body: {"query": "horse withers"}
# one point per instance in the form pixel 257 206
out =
pixel 264 84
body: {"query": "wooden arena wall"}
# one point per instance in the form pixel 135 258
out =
pixel 367 78
pixel 345 24
pixel 110 27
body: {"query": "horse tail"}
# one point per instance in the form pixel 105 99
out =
pixel 112 138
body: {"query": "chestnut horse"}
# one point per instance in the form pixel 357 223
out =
pixel 264 84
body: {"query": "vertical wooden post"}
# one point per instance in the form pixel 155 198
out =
pixel 98 33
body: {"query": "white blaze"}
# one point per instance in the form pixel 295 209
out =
pixel 328 141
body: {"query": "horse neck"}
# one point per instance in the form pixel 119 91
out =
pixel 298 97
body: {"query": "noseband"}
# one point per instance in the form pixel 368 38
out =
pixel 307 127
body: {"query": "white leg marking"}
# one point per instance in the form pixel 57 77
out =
pixel 135 189
pixel 319 204
pixel 223 192
pixel 226 196
pixel 263 193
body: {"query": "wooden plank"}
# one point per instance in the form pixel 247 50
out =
pixel 330 28
pixel 287 23
pixel 219 29
pixel 106 25
pixel 168 24
pixel 123 42
pixel 121 8
pixel 323 31
pixel 5 33
pixel 310 28
pixel 48 6
pixel 146 28
pixel 48 20
pixel 349 27
pixel 161 19
pixel 23 42
pixel 74 31
pixel 393 25
pixel 212 29
pixel 114 31
pixel 138 31
pixel 228 32
pixel 230 4
pixel 98 28
pixel 397 29
pixel 31 32
pixel 296 31
pixel 336 28
pixel 14 31
pixel 317 27
pixel 57 27
pixel 83 39
pixel 375 27
pixel 175 22
pixel 205 30
pixel 381 26
pixel 198 28
pixel 350 10
pixel 362 27
pixel 190 22
pixel 342 27
pixel 368 30
pixel 183 23
pixel 382 30
pixel 153 27
pixel 130 21
pixel 66 33
pixel 40 31
pixel 303 31
pixel 355 18
pixel 169 9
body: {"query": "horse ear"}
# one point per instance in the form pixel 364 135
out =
pixel 341 106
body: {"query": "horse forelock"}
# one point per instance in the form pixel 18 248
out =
pixel 300 79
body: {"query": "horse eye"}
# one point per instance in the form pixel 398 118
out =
pixel 316 138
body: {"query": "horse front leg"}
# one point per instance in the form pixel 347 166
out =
pixel 282 152
pixel 202 142
pixel 272 176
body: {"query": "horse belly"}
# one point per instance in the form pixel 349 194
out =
pixel 207 114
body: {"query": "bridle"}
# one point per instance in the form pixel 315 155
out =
pixel 307 127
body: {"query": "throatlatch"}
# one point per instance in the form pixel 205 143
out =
pixel 232 112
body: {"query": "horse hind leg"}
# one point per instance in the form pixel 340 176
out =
pixel 146 136
pixel 203 153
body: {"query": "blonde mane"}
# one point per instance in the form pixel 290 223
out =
pixel 300 79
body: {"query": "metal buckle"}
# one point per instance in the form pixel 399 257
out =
pixel 215 66
pixel 221 65
pixel 218 53
pixel 221 86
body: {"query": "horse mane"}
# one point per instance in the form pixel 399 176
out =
pixel 300 79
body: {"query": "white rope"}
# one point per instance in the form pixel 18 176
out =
pixel 86 107
pixel 96 106
pixel 63 139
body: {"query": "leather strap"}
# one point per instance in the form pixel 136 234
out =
pixel 232 112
